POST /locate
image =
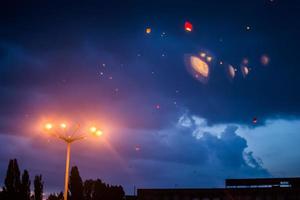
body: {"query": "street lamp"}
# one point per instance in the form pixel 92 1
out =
pixel 61 131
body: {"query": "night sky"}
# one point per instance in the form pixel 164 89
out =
pixel 164 123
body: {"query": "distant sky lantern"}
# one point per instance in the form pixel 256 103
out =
pixel 157 106
pixel 188 26
pixel 231 71
pixel 202 54
pixel 264 60
pixel 148 30
pixel 137 148
pixel 254 120
pixel 245 61
pixel 209 58
pixel 245 70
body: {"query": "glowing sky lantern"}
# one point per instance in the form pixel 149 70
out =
pixel 188 26
pixel 209 58
pixel 254 120
pixel 264 60
pixel 148 30
pixel 245 61
pixel 202 54
pixel 245 70
pixel 157 106
pixel 137 148
pixel 199 68
pixel 231 71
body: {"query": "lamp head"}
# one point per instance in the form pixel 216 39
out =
pixel 93 129
pixel 63 125
pixel 98 133
pixel 48 126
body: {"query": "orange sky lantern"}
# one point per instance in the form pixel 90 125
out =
pixel 148 30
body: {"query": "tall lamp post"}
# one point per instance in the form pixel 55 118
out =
pixel 68 136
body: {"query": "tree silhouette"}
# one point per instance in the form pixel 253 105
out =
pixel 98 191
pixel 52 197
pixel 38 187
pixel 1 195
pixel 19 189
pixel 88 188
pixel 116 193
pixel 76 185
pixel 12 181
pixel 59 196
pixel 25 186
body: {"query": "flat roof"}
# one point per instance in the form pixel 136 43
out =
pixel 262 181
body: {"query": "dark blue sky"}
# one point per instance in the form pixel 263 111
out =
pixel 93 61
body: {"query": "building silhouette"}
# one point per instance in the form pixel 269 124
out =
pixel 235 189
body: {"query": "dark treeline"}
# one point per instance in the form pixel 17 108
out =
pixel 18 187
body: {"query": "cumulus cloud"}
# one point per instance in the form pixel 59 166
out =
pixel 177 156
pixel 275 144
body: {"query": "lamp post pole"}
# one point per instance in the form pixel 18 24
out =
pixel 67 170
pixel 68 140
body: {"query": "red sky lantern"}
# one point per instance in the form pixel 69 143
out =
pixel 254 120
pixel 188 26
